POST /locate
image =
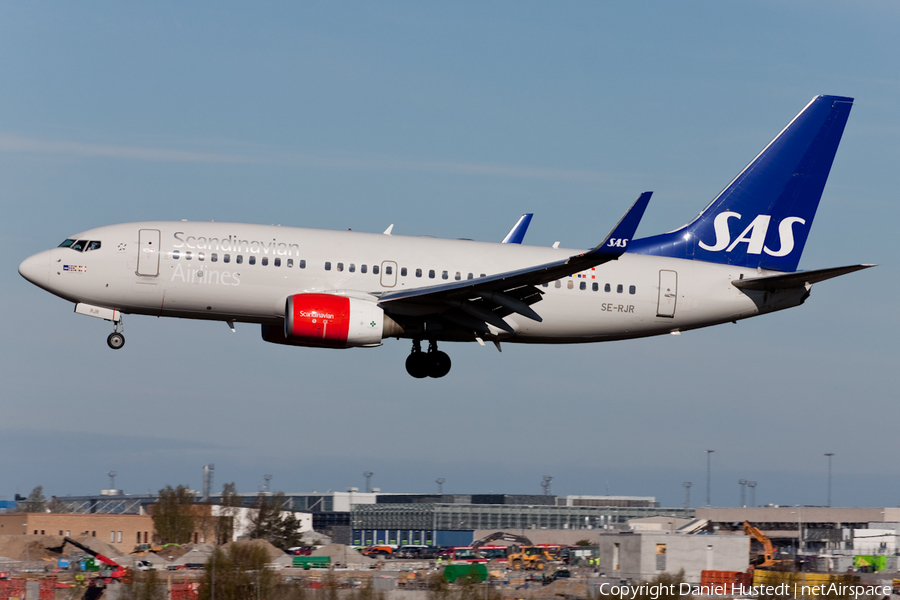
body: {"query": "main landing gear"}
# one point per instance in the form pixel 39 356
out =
pixel 116 339
pixel 433 363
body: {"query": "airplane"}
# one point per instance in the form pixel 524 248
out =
pixel 343 289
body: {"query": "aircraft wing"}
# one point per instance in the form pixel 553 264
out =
pixel 487 299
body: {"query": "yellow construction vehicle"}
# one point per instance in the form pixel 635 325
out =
pixel 767 559
pixel 533 558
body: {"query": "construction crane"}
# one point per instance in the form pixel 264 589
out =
pixel 117 571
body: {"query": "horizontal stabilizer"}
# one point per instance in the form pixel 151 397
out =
pixel 794 280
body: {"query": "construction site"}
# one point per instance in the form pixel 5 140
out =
pixel 415 546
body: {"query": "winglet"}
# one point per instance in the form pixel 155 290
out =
pixel 517 233
pixel 618 239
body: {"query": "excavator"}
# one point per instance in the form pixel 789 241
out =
pixel 526 556
pixel 767 559
pixel 501 535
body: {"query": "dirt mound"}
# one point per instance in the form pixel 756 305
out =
pixel 94 544
pixel 271 550
pixel 39 547
pixel 173 552
pixel 340 553
pixel 29 547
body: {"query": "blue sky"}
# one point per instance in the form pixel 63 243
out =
pixel 446 119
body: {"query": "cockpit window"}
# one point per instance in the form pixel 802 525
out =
pixel 79 245
pixel 92 245
pixel 66 243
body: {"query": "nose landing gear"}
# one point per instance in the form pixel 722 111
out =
pixel 116 339
pixel 433 363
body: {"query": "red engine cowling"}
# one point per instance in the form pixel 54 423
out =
pixel 332 321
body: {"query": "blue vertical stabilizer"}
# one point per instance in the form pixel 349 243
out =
pixel 763 217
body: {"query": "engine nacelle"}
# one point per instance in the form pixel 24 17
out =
pixel 332 321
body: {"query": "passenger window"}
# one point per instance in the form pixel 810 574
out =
pixel 402 271
pixel 444 275
pixel 375 269
pixel 176 254
pixel 431 273
pixel 226 258
pixel 213 257
pixel 482 275
pixel 302 263
pixel 570 284
pixel 582 285
pixel 418 272
pixel 277 262
pixel 79 245
pixel 595 286
pixel 327 266
pixel 251 260
pixel 458 276
pixel 200 256
pixel 92 246
pixel 558 283
pixel 606 288
pixel 290 263
pixel 340 267
pixel 470 276
pixel 632 289
pixel 265 261
pixel 187 255
pixel 239 259
pixel 352 268
pixel 388 270
pixel 363 268
pixel 619 288
pixel 545 284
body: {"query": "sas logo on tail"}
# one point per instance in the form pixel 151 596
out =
pixel 754 235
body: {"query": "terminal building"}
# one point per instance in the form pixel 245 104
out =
pixel 363 518
pixel 812 529
pixel 454 520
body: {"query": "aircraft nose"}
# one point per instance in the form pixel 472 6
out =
pixel 36 269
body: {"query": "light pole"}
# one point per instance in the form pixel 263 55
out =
pixel 752 486
pixel 829 455
pixel 708 471
pixel 743 483
pixel 687 494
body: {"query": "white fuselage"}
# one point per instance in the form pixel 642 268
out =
pixel 204 271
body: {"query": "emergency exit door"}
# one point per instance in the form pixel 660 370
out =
pixel 668 294
pixel 148 252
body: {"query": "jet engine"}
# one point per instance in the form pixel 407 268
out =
pixel 332 321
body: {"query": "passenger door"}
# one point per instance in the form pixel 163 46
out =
pixel 148 252
pixel 668 294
